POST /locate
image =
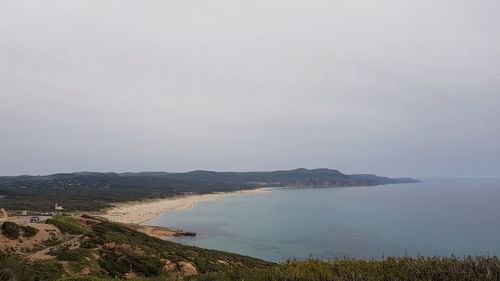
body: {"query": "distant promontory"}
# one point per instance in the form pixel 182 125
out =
pixel 90 191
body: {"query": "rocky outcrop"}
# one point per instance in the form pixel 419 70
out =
pixel 123 248
pixel 169 265
pixel 187 269
pixel 109 246
pixel 223 262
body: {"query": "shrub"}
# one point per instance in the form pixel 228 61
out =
pixel 7 274
pixel 391 269
pixel 11 230
pixel 51 242
pixel 88 278
pixel 43 271
pixel 65 254
pixel 29 231
pixel 118 265
pixel 89 244
pixel 12 268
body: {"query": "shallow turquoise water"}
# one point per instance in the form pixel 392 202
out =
pixel 436 217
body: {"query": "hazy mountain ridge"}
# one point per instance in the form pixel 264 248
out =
pixel 93 191
pixel 300 176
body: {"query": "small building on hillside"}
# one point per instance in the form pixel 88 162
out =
pixel 58 208
pixel 3 213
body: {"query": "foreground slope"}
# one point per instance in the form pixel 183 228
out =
pixel 89 246
pixel 91 249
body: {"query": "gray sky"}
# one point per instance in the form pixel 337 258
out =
pixel 397 88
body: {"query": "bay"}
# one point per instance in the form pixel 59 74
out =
pixel 438 217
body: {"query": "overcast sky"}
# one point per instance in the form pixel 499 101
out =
pixel 397 88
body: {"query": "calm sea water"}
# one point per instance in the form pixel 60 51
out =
pixel 438 217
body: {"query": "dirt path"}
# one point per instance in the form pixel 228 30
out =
pixel 44 254
pixel 45 232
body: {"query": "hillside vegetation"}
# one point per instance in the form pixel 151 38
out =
pixel 92 249
pixel 90 246
pixel 87 191
pixel 400 269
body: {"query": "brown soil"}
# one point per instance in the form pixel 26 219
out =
pixel 45 232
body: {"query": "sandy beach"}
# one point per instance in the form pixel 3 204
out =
pixel 144 211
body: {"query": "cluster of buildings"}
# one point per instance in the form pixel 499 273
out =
pixel 35 216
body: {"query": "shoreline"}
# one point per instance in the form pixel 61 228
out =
pixel 141 212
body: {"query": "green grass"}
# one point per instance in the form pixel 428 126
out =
pixel 15 269
pixel 117 265
pixel 90 278
pixel 68 224
pixel 66 254
pixel 391 269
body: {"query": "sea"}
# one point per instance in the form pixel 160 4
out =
pixel 437 217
